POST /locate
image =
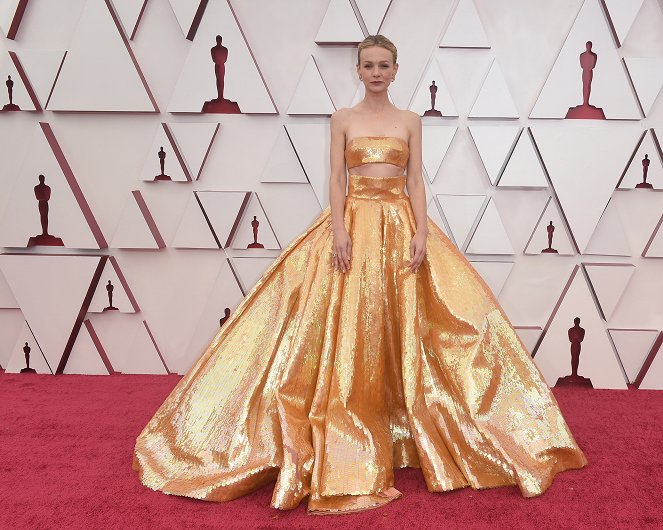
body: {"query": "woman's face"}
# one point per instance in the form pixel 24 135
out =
pixel 376 68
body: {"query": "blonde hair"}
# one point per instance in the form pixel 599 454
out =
pixel 377 40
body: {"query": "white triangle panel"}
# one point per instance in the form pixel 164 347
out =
pixel 20 90
pixel 311 141
pixel 460 211
pixel 194 141
pixel 609 281
pixel 250 270
pixel 435 142
pixel 653 379
pixel 283 164
pixel 494 99
pixel 647 76
pixel 85 357
pixel 99 72
pixel 421 102
pixel 609 238
pixel 523 168
pixel 311 95
pixel 465 29
pixel 254 214
pixel 172 159
pixel 339 25
pixel 584 163
pixel 42 67
pixel 12 323
pixel 490 236
pixel 123 298
pixel 127 343
pixel 223 209
pixel 494 144
pixel 539 238
pixel 610 89
pixel 11 13
pixel 50 291
pixel 646 155
pixel 193 231
pixel 7 298
pixel 16 355
pixel 373 13
pixel 136 228
pixel 529 335
pixel 520 210
pixel 494 273
pixel 434 214
pixel 598 359
pixel 66 219
pixel 622 13
pixel 224 295
pixel 654 248
pixel 129 12
pixel 242 82
pixel 185 13
pixel 633 346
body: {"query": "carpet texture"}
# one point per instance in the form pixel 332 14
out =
pixel 66 446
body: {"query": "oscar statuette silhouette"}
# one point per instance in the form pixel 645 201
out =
pixel 27 369
pixel 220 104
pixel 162 163
pixel 576 336
pixel 645 168
pixel 586 111
pixel 43 195
pixel 433 92
pixel 226 316
pixel 11 106
pixel 255 243
pixel 550 228
pixel 109 291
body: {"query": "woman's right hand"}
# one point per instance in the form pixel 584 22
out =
pixel 341 248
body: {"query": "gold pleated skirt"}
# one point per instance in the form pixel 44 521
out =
pixel 326 381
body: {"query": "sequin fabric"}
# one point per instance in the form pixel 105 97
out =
pixel 384 149
pixel 325 381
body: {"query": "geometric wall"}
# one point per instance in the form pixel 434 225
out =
pixel 132 249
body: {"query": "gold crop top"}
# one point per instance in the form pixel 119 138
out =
pixel 370 149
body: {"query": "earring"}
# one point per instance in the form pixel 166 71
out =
pixel 360 79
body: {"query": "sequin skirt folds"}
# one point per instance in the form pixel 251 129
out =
pixel 326 381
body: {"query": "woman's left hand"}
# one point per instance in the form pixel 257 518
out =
pixel 417 250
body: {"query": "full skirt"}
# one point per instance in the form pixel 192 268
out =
pixel 325 381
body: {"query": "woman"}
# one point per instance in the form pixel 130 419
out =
pixel 369 344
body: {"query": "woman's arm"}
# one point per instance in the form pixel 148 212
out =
pixel 417 192
pixel 337 184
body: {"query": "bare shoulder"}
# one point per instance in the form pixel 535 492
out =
pixel 339 119
pixel 411 118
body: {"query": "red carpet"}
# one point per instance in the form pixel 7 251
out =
pixel 66 463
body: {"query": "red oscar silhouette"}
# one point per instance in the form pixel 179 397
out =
pixel 255 243
pixel 27 369
pixel 576 336
pixel 10 89
pixel 645 169
pixel 220 104
pixel 550 229
pixel 433 92
pixel 109 291
pixel 43 194
pixel 586 111
pixel 162 162
pixel 226 316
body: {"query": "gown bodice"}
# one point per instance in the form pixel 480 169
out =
pixel 374 149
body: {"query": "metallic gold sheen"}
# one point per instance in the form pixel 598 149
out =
pixel 382 149
pixel 326 381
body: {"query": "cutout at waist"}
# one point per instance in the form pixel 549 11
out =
pixel 368 187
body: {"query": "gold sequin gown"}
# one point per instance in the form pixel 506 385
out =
pixel 325 381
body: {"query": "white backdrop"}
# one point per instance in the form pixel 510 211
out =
pixel 104 84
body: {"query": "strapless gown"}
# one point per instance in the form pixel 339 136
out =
pixel 325 381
